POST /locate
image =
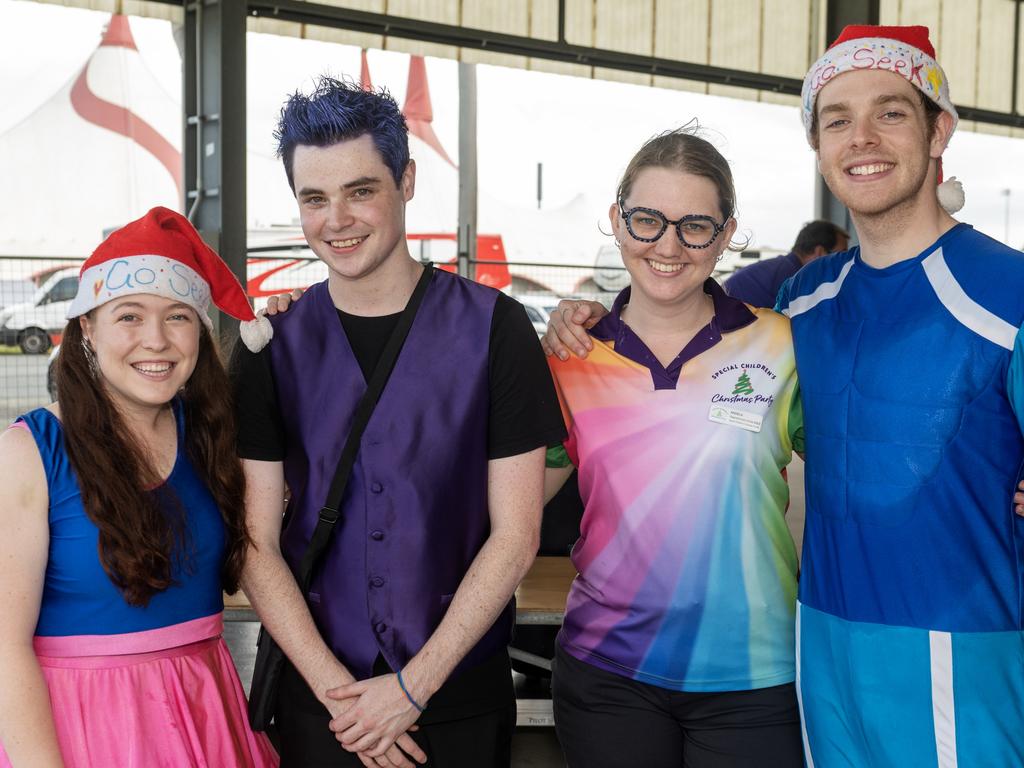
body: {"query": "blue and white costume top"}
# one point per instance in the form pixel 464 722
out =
pixel 910 645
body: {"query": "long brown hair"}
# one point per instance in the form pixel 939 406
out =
pixel 141 540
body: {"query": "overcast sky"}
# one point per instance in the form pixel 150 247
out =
pixel 584 131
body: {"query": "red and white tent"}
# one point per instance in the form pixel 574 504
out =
pixel 106 147
pixel 101 151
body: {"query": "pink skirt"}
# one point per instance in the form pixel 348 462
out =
pixel 167 697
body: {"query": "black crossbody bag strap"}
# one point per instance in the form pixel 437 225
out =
pixel 329 514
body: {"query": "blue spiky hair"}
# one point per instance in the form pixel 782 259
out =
pixel 337 111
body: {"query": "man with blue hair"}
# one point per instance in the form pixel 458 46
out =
pixel 408 614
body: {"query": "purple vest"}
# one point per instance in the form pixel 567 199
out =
pixel 415 512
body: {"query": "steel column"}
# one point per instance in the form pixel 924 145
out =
pixel 214 131
pixel 467 170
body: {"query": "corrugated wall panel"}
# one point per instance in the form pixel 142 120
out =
pixel 269 26
pixel 786 26
pixel 924 12
pixel 510 17
pixel 958 53
pixel 681 32
pixel 544 25
pixel 441 11
pixel 542 16
pixel 992 80
pixel 974 38
pixel 888 13
pixel 784 48
pixel 627 27
pixel 1020 68
pixel 736 41
pixel 128 7
pixel 344 36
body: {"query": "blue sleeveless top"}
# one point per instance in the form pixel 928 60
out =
pixel 78 596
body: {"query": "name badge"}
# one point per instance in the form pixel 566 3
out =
pixel 735 418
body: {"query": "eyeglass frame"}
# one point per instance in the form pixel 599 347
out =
pixel 667 222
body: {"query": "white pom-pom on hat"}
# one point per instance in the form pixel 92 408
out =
pixel 951 195
pixel 256 334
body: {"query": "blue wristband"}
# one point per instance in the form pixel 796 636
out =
pixel 405 690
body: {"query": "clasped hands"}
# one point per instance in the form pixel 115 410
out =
pixel 373 718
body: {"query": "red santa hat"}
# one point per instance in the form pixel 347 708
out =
pixel 162 254
pixel 906 52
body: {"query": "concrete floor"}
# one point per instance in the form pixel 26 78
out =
pixel 531 747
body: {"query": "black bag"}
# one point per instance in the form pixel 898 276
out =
pixel 270 659
pixel 266 677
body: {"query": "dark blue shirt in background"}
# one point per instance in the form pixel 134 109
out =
pixel 759 283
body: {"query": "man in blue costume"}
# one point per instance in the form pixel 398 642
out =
pixel 911 362
pixel 408 615
pixel 758 284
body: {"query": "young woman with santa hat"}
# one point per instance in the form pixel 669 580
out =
pixel 123 521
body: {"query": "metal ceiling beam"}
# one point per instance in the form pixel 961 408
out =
pixel 515 45
pixel 844 11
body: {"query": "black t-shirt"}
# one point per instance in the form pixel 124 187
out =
pixel 523 415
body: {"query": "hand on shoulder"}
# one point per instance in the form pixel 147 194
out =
pixel 281 302
pixel 568 326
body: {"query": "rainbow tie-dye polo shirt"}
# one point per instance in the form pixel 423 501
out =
pixel 687 571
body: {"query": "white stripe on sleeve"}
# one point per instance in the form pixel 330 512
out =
pixel 963 307
pixel 823 292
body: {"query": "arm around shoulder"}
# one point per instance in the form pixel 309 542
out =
pixel 27 729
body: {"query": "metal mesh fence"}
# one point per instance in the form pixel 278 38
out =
pixel 35 293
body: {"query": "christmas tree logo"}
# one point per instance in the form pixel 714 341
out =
pixel 743 385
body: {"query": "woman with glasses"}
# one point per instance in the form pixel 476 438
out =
pixel 677 645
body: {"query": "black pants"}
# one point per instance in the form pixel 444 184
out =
pixel 609 721
pixel 306 740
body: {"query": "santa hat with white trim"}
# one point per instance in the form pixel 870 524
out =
pixel 162 254
pixel 906 52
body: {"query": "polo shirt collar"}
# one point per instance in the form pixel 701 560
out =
pixel 730 315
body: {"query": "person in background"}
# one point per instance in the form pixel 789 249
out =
pixel 758 284
pixel 122 520
pixel 408 617
pixel 677 644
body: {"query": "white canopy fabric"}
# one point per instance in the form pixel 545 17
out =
pixel 106 148
pixel 100 152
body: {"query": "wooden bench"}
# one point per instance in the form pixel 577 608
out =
pixel 540 597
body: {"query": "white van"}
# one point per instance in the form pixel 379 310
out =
pixel 31 324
